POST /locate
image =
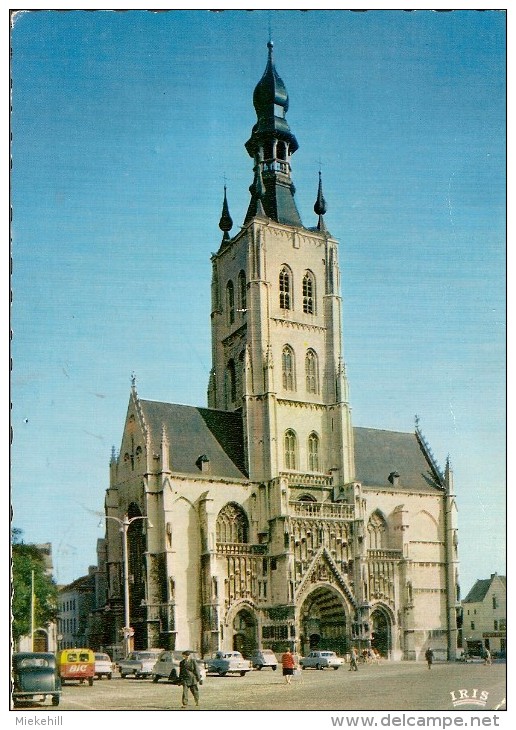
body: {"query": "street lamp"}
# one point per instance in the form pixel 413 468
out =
pixel 124 526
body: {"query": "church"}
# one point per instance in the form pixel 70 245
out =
pixel 270 521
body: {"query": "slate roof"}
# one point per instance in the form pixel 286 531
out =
pixel 479 590
pixel 195 432
pixel 378 453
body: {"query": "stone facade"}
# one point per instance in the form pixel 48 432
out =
pixel 272 521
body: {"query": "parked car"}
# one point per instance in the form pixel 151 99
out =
pixel 103 666
pixel 167 666
pixel 139 664
pixel 264 658
pixel 321 660
pixel 35 677
pixel 76 665
pixel 228 662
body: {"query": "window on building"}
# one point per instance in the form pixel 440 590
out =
pixel 472 626
pixel 495 625
pixel 287 366
pixel 242 292
pixel 308 293
pixel 232 525
pixel 230 302
pixel 313 452
pixel 290 448
pixel 285 284
pixel 230 382
pixel 376 528
pixel 311 372
pixel 495 602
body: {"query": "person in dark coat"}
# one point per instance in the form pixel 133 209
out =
pixel 189 678
pixel 429 656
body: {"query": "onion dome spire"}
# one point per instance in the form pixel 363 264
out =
pixel 271 146
pixel 226 222
pixel 320 207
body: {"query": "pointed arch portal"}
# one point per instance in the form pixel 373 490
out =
pixel 381 633
pixel 244 633
pixel 323 621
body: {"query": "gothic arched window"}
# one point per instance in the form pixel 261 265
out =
pixel 231 382
pixel 242 292
pixel 230 302
pixel 285 285
pixel 312 385
pixel 309 293
pixel 376 528
pixel 288 368
pixel 232 525
pixel 313 452
pixel 290 449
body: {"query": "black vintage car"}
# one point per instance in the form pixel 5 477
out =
pixel 35 677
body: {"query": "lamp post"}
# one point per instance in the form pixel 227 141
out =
pixel 124 526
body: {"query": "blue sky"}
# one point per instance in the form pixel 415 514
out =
pixel 125 126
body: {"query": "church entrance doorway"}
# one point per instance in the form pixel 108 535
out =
pixel 323 622
pixel 381 632
pixel 244 636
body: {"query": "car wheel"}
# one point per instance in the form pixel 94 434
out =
pixel 108 676
pixel 90 681
pixel 274 668
pixel 242 674
pixel 335 668
pixel 122 675
pixel 258 667
pixel 303 667
pixel 155 678
pixel 318 666
pixel 55 700
pixel 222 673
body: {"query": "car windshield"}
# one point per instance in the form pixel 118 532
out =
pixel 33 661
pixel 102 658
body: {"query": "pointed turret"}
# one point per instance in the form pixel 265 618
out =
pixel 271 145
pixel 226 222
pixel 320 207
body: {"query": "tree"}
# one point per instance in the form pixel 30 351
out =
pixel 27 558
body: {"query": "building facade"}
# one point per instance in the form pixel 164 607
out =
pixel 75 604
pixel 485 616
pixel 272 521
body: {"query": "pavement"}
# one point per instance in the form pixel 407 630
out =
pixel 389 686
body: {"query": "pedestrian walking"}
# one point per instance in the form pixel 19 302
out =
pixel 189 678
pixel 353 660
pixel 288 663
pixel 429 656
pixel 487 657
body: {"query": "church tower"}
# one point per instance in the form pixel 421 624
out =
pixel 277 315
pixel 271 522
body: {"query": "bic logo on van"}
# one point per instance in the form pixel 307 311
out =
pixel 469 697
